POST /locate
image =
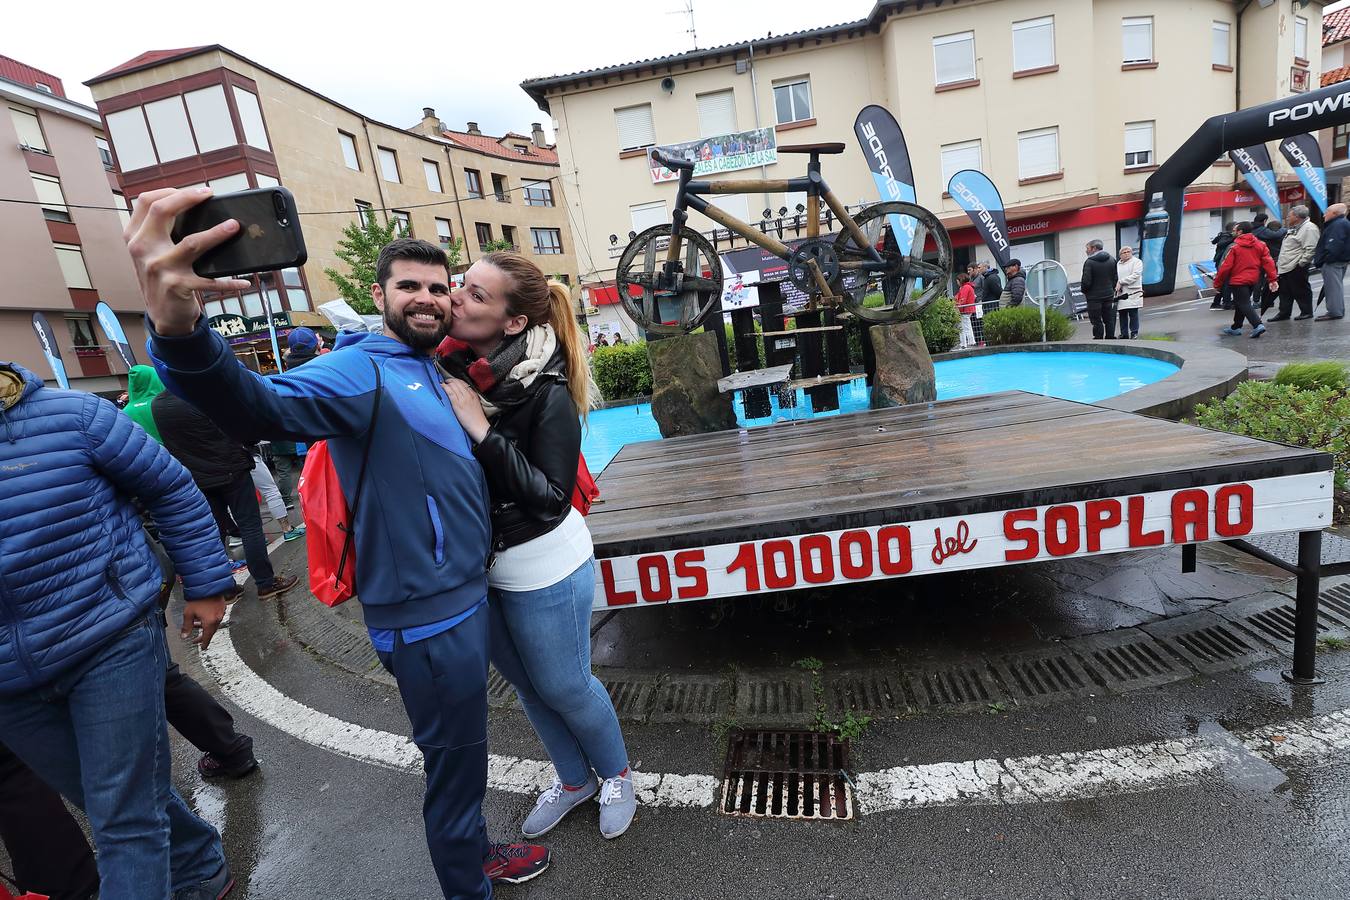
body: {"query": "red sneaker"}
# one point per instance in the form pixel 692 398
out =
pixel 514 863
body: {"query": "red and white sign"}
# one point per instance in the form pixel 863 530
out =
pixel 979 541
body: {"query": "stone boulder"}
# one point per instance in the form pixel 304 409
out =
pixel 685 399
pixel 904 372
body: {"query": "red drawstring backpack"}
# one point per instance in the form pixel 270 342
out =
pixel 328 518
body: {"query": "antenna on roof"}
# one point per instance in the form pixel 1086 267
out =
pixel 687 11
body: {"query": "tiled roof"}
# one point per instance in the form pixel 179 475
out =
pixel 1335 27
pixel 493 146
pixel 25 74
pixel 148 58
pixel 1335 76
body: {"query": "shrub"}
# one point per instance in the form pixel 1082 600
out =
pixel 1022 325
pixel 941 325
pixel 1316 417
pixel 1330 374
pixel 623 371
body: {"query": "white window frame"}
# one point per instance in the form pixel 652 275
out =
pixel 1023 174
pixel 68 256
pixel 963 147
pixel 55 201
pixel 447 237
pixel 432 170
pixel 229 184
pixel 1135 22
pixel 209 113
pixel 104 151
pixel 647 215
pixel 538 193
pixel 266 180
pixel 1150 155
pixel 947 40
pixel 634 127
pixel 347 142
pixel 29 132
pixel 388 160
pixel 796 114
pixel 404 219
pixel 1029 25
pixel 470 176
pixel 1217 28
pixel 716 113
pixel 1301 37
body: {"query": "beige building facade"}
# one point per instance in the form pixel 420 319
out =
pixel 207 115
pixel 63 249
pixel 1067 105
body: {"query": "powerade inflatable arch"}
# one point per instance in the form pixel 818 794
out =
pixel 1165 189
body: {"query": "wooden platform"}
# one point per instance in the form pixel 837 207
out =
pixel 932 468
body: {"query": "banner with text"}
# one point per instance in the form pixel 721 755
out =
pixel 47 341
pixel 1254 163
pixel 723 153
pixel 975 193
pixel 883 145
pixel 1305 156
pixel 107 319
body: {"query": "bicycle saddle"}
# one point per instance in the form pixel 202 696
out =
pixel 811 148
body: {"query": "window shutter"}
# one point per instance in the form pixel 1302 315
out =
pixel 645 215
pixel 1038 153
pixel 954 58
pixel 956 157
pixel 30 132
pixel 634 125
pixel 433 173
pixel 1219 41
pixel 717 114
pixel 169 125
pixel 1137 40
pixel 1033 44
pixel 1139 137
pixel 211 118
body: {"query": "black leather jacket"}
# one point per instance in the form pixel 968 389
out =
pixel 530 460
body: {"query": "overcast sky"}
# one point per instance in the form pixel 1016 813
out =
pixel 388 60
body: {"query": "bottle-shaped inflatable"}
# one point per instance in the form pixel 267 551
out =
pixel 1155 236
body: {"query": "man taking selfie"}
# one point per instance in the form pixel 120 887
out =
pixel 422 533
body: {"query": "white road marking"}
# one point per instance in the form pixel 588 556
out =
pixel 1073 775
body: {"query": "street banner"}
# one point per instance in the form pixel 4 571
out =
pixel 1254 163
pixel 722 153
pixel 1305 156
pixel 47 341
pixel 107 319
pixel 975 193
pixel 883 146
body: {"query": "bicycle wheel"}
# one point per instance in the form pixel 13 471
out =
pixel 668 303
pixel 887 292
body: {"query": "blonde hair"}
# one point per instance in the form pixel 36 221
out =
pixel 544 302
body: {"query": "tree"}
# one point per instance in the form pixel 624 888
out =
pixel 494 246
pixel 360 250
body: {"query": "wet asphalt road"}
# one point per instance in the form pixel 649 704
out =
pixel 314 824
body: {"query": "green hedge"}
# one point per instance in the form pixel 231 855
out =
pixel 623 371
pixel 1330 374
pixel 1316 417
pixel 1022 325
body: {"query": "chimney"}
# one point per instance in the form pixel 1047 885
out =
pixel 537 131
pixel 473 128
pixel 430 125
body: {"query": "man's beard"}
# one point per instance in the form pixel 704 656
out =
pixel 418 340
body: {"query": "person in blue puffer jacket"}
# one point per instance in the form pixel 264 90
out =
pixel 82 650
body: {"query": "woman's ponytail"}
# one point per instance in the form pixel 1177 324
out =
pixel 565 326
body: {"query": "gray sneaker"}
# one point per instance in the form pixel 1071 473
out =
pixel 618 805
pixel 553 804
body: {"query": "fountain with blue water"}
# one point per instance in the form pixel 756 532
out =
pixel 1083 376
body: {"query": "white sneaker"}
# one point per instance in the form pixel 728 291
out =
pixel 618 806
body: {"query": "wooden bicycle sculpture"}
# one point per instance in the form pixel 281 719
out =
pixel 672 267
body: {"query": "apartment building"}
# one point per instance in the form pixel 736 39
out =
pixel 62 215
pixel 1335 142
pixel 1066 104
pixel 207 115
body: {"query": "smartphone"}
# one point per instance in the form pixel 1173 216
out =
pixel 269 235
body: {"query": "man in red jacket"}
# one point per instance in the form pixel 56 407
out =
pixel 1244 265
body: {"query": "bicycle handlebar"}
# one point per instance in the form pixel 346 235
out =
pixel 671 163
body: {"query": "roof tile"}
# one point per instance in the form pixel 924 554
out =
pixel 1335 27
pixel 1335 76
pixel 148 58
pixel 493 146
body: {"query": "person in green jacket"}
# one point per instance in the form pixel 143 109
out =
pixel 143 386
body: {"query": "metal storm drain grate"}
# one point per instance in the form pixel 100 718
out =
pixel 787 775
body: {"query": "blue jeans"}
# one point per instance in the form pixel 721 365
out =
pixel 541 643
pixel 443 682
pixel 97 735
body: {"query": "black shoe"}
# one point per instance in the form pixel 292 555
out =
pixel 1301 317
pixel 216 887
pixel 1216 306
pixel 278 586
pixel 210 766
pixel 1280 318
pixel 1327 318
